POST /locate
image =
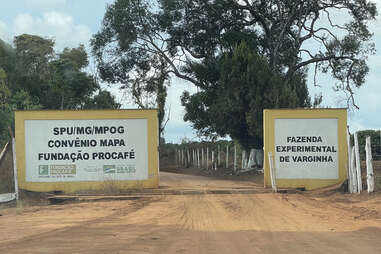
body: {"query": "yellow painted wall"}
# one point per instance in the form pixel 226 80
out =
pixel 152 139
pixel 269 144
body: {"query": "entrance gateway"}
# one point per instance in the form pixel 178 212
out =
pixel 72 150
pixel 309 147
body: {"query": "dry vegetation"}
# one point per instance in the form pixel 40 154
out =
pixel 6 172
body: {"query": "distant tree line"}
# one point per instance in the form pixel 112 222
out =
pixel 34 76
pixel 375 139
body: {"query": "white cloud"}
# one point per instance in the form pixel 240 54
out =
pixel 23 23
pixel 54 25
pixel 57 19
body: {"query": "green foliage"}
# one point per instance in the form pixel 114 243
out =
pixel 375 139
pixel 130 50
pixel 34 76
pixel 143 42
pixel 76 56
pixel 19 100
pixel 234 104
pixel 33 53
pixel 69 84
pixel 4 90
pixel 103 100
pixel 55 81
pixel 282 31
pixel 7 60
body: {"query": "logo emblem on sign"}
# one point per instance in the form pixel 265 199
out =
pixel 43 170
pixel 109 169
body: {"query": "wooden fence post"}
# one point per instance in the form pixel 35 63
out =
pixel 178 157
pixel 212 159
pixel 235 158
pixel 202 158
pixel 182 157
pixel 207 158
pixel 272 172
pixel 218 156
pixel 195 158
pixel 198 157
pixel 369 165
pixel 243 159
pixel 353 167
pixel 192 157
pixel 227 156
pixel 188 157
pixel 358 164
pixel 15 168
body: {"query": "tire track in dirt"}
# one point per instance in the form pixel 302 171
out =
pixel 22 242
pixel 199 223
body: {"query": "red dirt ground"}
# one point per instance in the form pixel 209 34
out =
pixel 255 222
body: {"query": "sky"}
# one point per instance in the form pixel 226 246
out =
pixel 73 22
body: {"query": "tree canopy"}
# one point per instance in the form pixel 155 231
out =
pixel 233 105
pixel 128 49
pixel 141 43
pixel 375 136
pixel 34 76
pixel 50 79
pixel 283 32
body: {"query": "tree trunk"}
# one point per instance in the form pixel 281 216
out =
pixel 161 96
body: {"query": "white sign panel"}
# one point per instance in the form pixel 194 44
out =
pixel 306 148
pixel 86 150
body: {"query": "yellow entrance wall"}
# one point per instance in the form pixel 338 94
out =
pixel 269 145
pixel 152 139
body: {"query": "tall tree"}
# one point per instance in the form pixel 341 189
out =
pixel 284 32
pixel 233 105
pixel 68 81
pixel 7 60
pixel 33 54
pixel 34 76
pixel 131 50
pixel 10 98
pixel 102 100
pixel 141 39
pixel 137 33
pixel 53 80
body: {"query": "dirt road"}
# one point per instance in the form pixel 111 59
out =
pixel 260 222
